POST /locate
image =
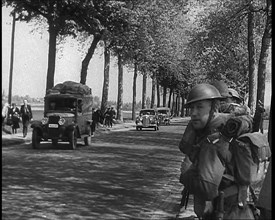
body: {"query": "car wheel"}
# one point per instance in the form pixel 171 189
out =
pixel 54 142
pixel 87 140
pixel 73 139
pixel 35 139
pixel 137 128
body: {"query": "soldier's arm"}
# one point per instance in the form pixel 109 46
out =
pixel 204 178
pixel 187 140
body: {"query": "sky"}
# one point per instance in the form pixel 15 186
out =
pixel 31 58
pixel 31 64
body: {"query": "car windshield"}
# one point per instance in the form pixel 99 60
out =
pixel 64 104
pixel 147 112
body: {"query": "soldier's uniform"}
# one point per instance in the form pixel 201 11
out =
pixel 207 169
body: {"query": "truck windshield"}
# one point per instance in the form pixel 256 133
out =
pixel 65 104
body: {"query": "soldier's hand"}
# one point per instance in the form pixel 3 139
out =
pixel 185 164
pixel 208 207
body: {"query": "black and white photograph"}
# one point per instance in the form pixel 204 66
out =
pixel 136 109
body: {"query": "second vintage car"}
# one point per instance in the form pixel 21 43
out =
pixel 147 118
pixel 164 115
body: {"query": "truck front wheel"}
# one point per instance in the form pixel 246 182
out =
pixel 73 139
pixel 35 138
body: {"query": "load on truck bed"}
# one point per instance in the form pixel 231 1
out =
pixel 67 115
pixel 70 87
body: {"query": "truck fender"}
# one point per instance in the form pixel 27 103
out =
pixel 73 127
pixel 35 124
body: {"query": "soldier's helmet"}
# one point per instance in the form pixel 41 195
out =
pixel 222 87
pixel 234 94
pixel 201 92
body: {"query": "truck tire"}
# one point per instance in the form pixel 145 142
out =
pixel 73 139
pixel 54 142
pixel 87 140
pixel 35 138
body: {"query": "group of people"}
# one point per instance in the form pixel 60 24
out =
pixel 210 170
pixel 105 119
pixel 11 116
pixel 109 116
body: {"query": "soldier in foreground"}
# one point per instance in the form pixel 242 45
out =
pixel 213 169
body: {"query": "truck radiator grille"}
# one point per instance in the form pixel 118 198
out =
pixel 53 132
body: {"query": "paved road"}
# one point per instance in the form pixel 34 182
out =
pixel 124 174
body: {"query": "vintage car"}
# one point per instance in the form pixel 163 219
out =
pixel 147 118
pixel 164 115
pixel 67 117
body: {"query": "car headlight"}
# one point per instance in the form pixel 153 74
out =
pixel 44 121
pixel 61 121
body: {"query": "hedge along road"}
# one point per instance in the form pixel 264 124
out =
pixel 122 175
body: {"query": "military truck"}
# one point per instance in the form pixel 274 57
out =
pixel 67 115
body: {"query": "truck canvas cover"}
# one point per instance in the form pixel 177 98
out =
pixel 70 87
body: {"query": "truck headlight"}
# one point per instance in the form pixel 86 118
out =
pixel 44 121
pixel 61 121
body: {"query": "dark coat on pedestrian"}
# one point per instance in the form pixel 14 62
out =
pixel 15 115
pixel 26 112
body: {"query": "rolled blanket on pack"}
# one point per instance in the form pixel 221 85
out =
pixel 236 126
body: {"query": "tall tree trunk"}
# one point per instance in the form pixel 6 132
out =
pixel 262 69
pixel 134 103
pixel 270 125
pixel 12 56
pixel 164 96
pixel 173 103
pixel 252 59
pixel 182 106
pixel 51 57
pixel 158 95
pixel 153 90
pixel 144 90
pixel 88 57
pixel 120 89
pixel 178 104
pixel 170 98
pixel 105 89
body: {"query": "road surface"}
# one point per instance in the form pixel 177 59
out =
pixel 123 174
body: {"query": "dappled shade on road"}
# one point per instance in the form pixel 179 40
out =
pixel 122 175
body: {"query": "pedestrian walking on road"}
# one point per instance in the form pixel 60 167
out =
pixel 107 117
pixel 6 119
pixel 112 116
pixel 94 122
pixel 26 114
pixel 15 115
pixel 5 113
pixel 98 117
